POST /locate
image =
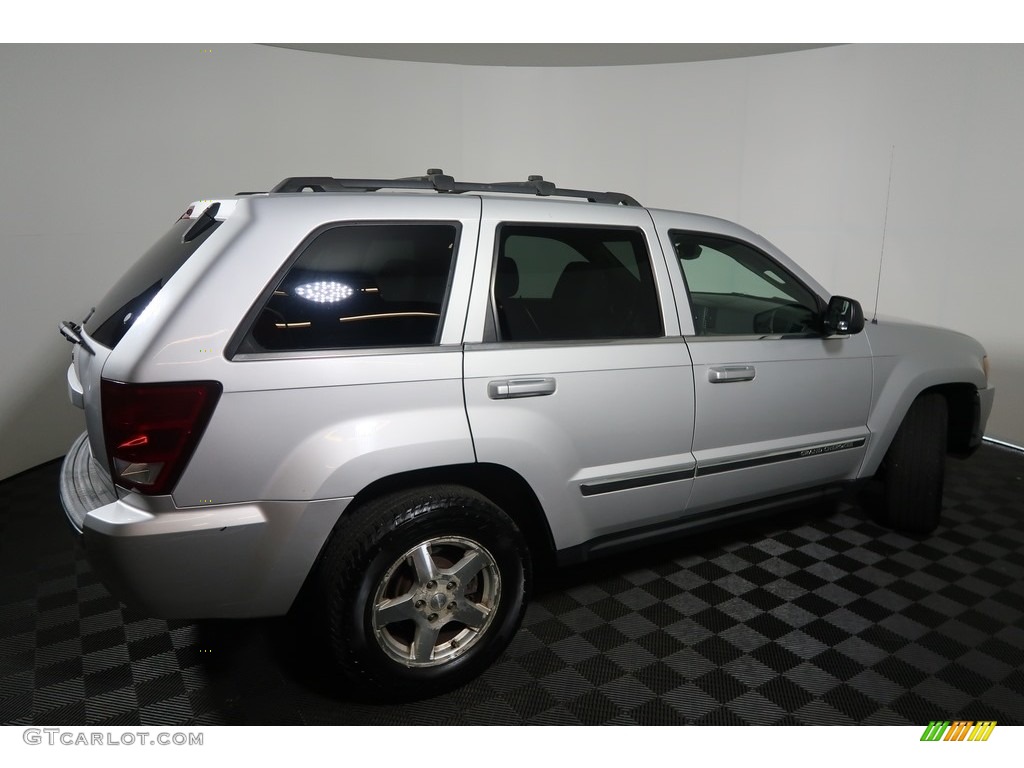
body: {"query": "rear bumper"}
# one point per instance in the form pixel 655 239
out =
pixel 84 484
pixel 220 561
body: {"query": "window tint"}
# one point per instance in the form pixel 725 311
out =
pixel 737 290
pixel 374 285
pixel 564 282
pixel 123 304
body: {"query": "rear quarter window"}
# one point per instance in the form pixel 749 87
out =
pixel 357 286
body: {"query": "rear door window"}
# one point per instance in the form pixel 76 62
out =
pixel 357 286
pixel 564 282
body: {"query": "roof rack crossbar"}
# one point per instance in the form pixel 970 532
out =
pixel 438 181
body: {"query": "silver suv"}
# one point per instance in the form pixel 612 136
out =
pixel 401 402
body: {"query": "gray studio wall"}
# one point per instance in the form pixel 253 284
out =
pixel 101 148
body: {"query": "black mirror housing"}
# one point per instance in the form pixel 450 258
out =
pixel 843 316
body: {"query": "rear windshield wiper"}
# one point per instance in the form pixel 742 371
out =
pixel 73 332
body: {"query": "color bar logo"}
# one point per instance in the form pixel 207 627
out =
pixel 960 730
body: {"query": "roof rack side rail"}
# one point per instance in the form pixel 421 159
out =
pixel 438 181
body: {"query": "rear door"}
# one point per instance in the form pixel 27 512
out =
pixel 575 374
pixel 779 406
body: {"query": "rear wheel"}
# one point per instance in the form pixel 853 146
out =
pixel 913 470
pixel 422 590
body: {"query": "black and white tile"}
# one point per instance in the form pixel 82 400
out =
pixel 811 617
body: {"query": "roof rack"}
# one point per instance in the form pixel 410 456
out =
pixel 437 180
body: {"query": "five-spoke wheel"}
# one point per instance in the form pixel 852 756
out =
pixel 436 601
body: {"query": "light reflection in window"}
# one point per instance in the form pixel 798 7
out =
pixel 324 291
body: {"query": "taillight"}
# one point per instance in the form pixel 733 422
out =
pixel 151 430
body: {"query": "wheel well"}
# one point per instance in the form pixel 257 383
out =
pixel 961 404
pixel 504 487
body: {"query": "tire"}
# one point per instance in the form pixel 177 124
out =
pixel 421 591
pixel 913 469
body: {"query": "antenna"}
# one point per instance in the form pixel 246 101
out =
pixel 885 227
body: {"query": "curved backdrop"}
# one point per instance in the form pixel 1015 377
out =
pixel 102 147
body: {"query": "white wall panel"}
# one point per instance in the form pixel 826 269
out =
pixel 102 147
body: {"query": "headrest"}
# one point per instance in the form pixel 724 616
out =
pixel 506 281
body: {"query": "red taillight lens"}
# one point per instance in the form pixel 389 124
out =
pixel 151 430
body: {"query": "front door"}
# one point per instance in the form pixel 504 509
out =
pixel 779 406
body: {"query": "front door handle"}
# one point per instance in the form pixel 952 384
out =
pixel 723 374
pixel 504 389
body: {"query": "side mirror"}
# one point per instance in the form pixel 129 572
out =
pixel 843 316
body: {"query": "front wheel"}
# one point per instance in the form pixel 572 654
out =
pixel 913 470
pixel 422 590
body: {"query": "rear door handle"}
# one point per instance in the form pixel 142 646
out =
pixel 504 389
pixel 723 374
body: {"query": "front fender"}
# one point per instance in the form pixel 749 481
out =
pixel 906 361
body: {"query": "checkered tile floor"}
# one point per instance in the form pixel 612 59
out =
pixel 811 617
